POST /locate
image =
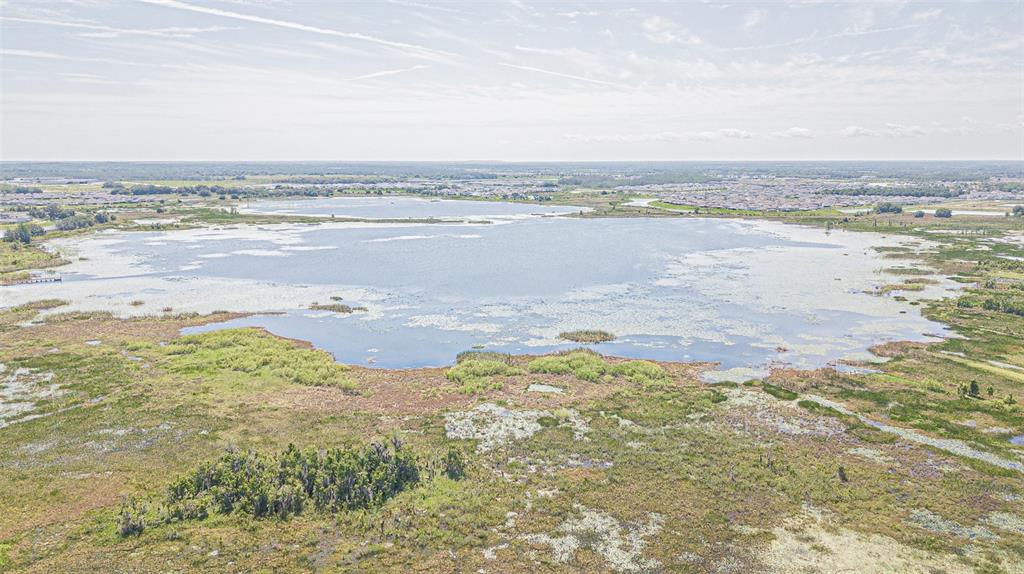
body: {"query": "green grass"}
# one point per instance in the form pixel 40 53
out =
pixel 256 353
pixel 779 392
pixel 589 366
pixel 474 373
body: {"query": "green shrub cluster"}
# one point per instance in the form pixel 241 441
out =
pixel 254 352
pixel 284 485
pixel 590 366
pixel 779 392
pixel 474 371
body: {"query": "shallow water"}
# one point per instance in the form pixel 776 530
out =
pixel 745 294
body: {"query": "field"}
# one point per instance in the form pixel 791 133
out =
pixel 569 462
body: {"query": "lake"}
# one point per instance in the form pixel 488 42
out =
pixel 747 294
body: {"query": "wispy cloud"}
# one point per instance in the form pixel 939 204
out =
pixel 101 31
pixel 754 18
pixel 795 133
pixel 663 31
pixel 409 49
pixel 562 75
pixel 857 132
pixel 383 73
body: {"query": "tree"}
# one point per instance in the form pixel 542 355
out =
pixel 23 233
pixel 974 389
pixel 1018 211
pixel 991 391
pixel 919 214
pixel 943 212
pixel 888 208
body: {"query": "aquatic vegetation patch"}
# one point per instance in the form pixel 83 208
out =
pixel 40 305
pixel 255 352
pixel 336 308
pixel 587 336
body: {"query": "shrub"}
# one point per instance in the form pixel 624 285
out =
pixel 590 366
pixel 74 222
pixel 779 392
pixel 641 372
pixel 474 372
pixel 454 464
pixel 581 363
pixel 131 519
pixel 943 212
pixel 888 208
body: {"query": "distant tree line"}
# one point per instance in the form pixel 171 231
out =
pixel 924 191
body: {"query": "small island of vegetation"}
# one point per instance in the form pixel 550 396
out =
pixel 587 336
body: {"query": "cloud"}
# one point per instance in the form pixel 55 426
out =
pixel 562 75
pixel 795 133
pixel 900 130
pixel 891 130
pixel 857 132
pixel 662 31
pixel 383 73
pixel 926 15
pixel 666 136
pixel 754 18
pixel 409 49
pixel 735 133
pixel 100 31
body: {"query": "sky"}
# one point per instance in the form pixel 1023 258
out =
pixel 510 80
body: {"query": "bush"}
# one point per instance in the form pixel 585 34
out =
pixel 888 208
pixel 641 372
pixel 943 212
pixel 919 214
pixel 581 363
pixel 454 464
pixel 779 392
pixel 131 520
pixel 474 372
pixel 590 366
pixel 74 222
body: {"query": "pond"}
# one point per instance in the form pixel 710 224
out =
pixel 746 294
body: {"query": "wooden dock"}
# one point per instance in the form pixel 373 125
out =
pixel 35 280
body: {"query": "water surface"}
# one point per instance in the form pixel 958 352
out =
pixel 743 293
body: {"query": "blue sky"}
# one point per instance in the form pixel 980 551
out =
pixel 510 80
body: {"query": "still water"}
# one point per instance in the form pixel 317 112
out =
pixel 508 278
